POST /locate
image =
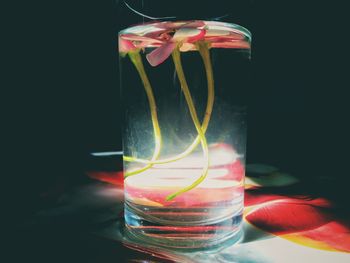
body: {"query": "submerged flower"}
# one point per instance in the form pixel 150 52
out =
pixel 187 33
pixel 164 37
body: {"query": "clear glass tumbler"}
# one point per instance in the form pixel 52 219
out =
pixel 183 89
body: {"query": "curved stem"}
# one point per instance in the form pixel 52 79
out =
pixel 180 73
pixel 203 49
pixel 136 59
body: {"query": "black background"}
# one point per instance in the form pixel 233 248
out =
pixel 64 81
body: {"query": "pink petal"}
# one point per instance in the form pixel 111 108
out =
pixel 159 34
pixel 216 33
pixel 160 54
pixel 132 37
pixel 139 41
pixel 233 44
pixel 147 44
pixel 125 45
pixel 214 36
pixel 197 37
pixel 217 39
pixel 188 34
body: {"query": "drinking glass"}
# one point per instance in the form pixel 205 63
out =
pixel 183 88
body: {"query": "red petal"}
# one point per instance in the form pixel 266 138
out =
pixel 252 199
pixel 236 171
pixel 200 36
pixel 160 54
pixel 334 234
pixel 197 197
pixel 125 45
pixel 116 178
pixel 257 196
pixel 289 216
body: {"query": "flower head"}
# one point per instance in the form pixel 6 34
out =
pixel 165 36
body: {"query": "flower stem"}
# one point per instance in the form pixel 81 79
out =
pixel 181 76
pixel 203 49
pixel 136 59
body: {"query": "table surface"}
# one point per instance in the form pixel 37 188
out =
pixel 286 220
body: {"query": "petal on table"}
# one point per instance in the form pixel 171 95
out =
pixel 257 196
pixel 334 236
pixel 253 197
pixel 288 216
pixel 116 178
pixel 160 54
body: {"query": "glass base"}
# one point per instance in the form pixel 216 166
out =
pixel 211 238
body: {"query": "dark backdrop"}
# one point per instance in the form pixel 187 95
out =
pixel 61 71
pixel 65 85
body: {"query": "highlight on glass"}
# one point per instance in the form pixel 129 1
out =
pixel 184 136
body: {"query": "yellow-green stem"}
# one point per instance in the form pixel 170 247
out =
pixel 136 59
pixel 203 49
pixel 181 76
